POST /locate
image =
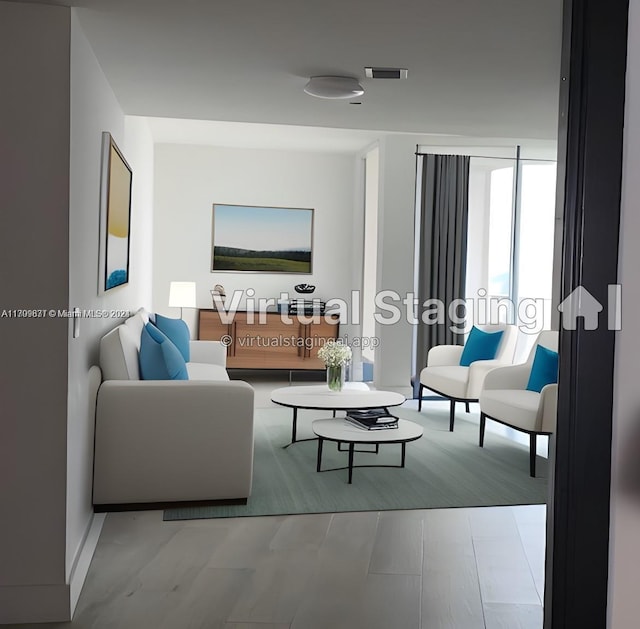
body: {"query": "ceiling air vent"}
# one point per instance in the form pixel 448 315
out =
pixel 386 73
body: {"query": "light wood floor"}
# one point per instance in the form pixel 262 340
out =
pixel 477 568
pixel 431 569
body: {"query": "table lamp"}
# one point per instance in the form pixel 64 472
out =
pixel 182 295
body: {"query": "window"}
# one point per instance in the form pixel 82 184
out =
pixel 510 241
pixel 500 232
pixel 535 242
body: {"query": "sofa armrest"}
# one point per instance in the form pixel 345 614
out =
pixel 211 352
pixel 444 355
pixel 509 377
pixel 169 441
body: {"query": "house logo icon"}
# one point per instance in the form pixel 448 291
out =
pixel 580 303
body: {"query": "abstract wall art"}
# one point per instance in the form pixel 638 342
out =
pixel 115 216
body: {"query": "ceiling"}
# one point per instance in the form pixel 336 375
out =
pixel 485 68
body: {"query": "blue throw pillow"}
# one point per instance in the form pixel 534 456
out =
pixel 159 358
pixel 544 369
pixel 177 332
pixel 480 346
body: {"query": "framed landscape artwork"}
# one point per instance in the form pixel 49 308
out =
pixel 115 216
pixel 262 239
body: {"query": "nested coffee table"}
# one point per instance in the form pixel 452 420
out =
pixel 342 431
pixel 354 396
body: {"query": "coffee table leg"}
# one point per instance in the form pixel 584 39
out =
pixel 404 451
pixel 351 448
pixel 294 425
pixel 319 464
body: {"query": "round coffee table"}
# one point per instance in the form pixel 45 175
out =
pixel 342 431
pixel 354 396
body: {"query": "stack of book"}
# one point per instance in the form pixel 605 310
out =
pixel 372 419
pixel 306 307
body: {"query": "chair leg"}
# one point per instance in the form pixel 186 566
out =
pixel 532 455
pixel 483 424
pixel 466 406
pixel 452 414
pixel 420 390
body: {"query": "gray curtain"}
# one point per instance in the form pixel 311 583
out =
pixel 442 247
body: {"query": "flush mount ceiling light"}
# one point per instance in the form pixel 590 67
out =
pixel 333 87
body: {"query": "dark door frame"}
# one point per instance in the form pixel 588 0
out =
pixel 590 142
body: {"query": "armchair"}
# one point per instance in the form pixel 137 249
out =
pixel 444 374
pixel 505 399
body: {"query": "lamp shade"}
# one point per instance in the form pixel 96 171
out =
pixel 182 295
pixel 333 87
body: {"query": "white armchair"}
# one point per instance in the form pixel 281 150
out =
pixel 505 399
pixel 444 374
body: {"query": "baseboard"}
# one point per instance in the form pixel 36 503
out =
pixel 21 604
pixel 160 506
pixel 83 560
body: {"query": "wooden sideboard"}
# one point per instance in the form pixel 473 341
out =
pixel 269 340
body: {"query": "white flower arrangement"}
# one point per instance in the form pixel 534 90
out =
pixel 335 354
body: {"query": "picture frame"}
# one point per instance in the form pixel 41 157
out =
pixel 261 239
pixel 116 180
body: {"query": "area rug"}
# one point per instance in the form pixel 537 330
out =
pixel 443 469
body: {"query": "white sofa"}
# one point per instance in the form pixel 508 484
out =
pixel 167 441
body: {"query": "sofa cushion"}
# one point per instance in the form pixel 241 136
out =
pixel 480 346
pixel 206 371
pixel 177 332
pixel 451 380
pixel 135 324
pixel 516 407
pixel 159 358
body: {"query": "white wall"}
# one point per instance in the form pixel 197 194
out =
pixel 34 274
pixel 139 149
pixel 370 247
pixel 395 257
pixel 624 602
pixel 94 109
pixel 49 260
pixel 189 179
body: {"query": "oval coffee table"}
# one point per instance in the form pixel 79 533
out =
pixel 342 431
pixel 354 396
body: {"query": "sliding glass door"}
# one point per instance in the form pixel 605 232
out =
pixel 536 222
pixel 510 243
